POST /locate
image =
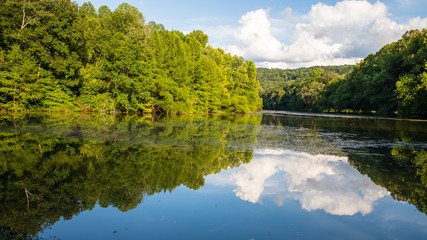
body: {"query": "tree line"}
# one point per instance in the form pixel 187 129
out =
pixel 58 56
pixel 391 82
pixel 271 77
pixel 298 89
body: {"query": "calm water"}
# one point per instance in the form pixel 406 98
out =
pixel 260 176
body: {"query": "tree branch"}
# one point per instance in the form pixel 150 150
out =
pixel 23 18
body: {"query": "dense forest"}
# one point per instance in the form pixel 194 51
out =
pixel 297 89
pixel 271 77
pixel 392 82
pixel 58 56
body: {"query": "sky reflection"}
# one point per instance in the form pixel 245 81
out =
pixel 318 182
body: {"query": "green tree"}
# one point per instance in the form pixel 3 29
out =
pixel 411 94
pixel 87 9
pixel 81 58
pixel 384 82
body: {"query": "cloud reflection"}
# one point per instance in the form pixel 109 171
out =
pixel 318 182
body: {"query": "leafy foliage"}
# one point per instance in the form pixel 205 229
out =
pixel 392 82
pixel 57 56
pixel 270 78
pixel 389 82
pixel 296 93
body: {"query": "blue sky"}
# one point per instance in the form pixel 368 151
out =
pixel 289 33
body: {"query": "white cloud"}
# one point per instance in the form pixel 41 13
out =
pixel 267 64
pixel 255 35
pixel 346 14
pixel 321 182
pixel 251 179
pixel 336 34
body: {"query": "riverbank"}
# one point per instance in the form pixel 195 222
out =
pixel 335 115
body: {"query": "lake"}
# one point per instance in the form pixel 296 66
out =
pixel 269 175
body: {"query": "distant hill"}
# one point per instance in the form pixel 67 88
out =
pixel 269 77
pixel 391 82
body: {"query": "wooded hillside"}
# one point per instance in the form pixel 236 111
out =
pixel 57 56
pixel 392 82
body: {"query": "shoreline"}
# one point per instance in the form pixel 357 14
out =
pixel 336 115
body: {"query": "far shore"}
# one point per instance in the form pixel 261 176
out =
pixel 335 115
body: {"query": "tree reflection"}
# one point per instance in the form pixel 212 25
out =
pixel 59 166
pixel 402 172
pixel 391 153
pixel 56 166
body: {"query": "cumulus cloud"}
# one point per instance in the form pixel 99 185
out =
pixel 321 182
pixel 327 35
pixel 255 35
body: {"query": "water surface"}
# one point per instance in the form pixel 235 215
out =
pixel 259 176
